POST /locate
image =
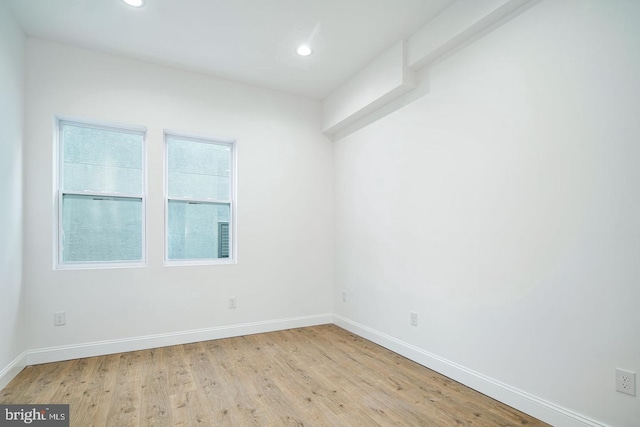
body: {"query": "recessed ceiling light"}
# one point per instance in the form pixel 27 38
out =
pixel 134 3
pixel 304 50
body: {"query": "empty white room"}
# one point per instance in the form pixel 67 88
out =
pixel 305 212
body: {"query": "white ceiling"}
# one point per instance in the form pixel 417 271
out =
pixel 251 41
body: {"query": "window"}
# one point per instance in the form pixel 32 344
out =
pixel 101 203
pixel 200 205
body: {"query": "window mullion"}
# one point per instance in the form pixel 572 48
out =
pixel 203 201
pixel 104 195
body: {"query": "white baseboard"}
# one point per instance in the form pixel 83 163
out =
pixel 10 371
pixel 525 402
pixel 99 348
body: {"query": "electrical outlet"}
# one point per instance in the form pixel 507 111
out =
pixel 414 318
pixel 344 296
pixel 232 302
pixel 59 318
pixel 625 381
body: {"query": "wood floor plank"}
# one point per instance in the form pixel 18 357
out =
pixel 316 376
pixel 155 403
pixel 124 409
pixel 179 372
pixel 91 408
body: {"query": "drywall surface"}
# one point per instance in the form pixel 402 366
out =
pixel 284 168
pixel 504 208
pixel 11 108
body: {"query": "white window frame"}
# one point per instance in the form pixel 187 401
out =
pixel 232 202
pixel 59 193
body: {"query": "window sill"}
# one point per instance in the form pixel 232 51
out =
pixel 193 262
pixel 99 266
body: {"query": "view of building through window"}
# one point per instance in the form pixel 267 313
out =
pixel 199 204
pixel 101 204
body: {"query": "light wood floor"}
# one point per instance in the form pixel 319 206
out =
pixel 317 376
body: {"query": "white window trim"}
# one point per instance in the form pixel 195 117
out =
pixel 233 203
pixel 58 193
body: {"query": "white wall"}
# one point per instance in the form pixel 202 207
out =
pixel 504 208
pixel 284 267
pixel 11 109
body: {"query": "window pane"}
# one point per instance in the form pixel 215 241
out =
pixel 198 170
pixel 101 160
pixel 194 230
pixel 101 229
